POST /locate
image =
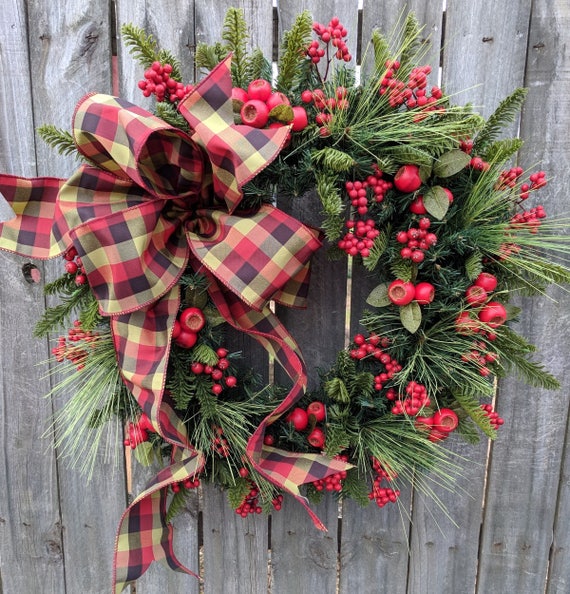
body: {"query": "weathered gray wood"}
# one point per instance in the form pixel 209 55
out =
pixel 524 481
pixel 69 53
pixel 31 547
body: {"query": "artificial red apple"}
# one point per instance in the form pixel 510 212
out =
pixel 407 178
pixel 254 113
pixel 425 292
pixel 259 89
pixel 316 438
pixel 401 292
pixel 445 420
pixel 487 281
pixel 493 314
pixel 317 409
pixel 298 418
pixel 192 319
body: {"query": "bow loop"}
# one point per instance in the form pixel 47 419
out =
pixel 135 145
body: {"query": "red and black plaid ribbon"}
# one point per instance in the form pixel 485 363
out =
pixel 135 217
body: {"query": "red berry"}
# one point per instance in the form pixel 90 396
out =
pixel 186 339
pixel 307 96
pixel 487 281
pixel 276 99
pixel 268 439
pixel 176 328
pixel 192 319
pixel 231 381
pixel 259 89
pixel 254 113
pixel 401 292
pixel 300 118
pixel 445 420
pixel 425 292
pixel 71 267
pixel 298 418
pixel 407 178
pixel 197 367
pixel 317 409
pixel 316 438
pixel 493 314
pixel 476 295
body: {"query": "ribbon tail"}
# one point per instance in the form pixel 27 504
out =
pixel 285 469
pixel 144 536
pixel 142 343
pixel 34 202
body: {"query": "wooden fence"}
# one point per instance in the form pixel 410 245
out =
pixel 511 515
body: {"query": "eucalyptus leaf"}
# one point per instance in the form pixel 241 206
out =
pixel 436 202
pixel 144 453
pixel 282 113
pixel 451 163
pixel 379 296
pixel 411 316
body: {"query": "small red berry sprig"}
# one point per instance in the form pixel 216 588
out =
pixel 362 192
pixel 331 44
pixel 218 372
pixel 382 495
pixel 250 503
pixel 333 482
pixel 414 92
pixel 189 483
pixel 157 82
pixel 137 432
pixel 478 164
pixel 220 444
pixel 74 267
pixel 530 219
pixel 417 241
pixel 495 420
pixel 326 106
pixel 415 400
pixel 359 238
pixel 481 356
pixel 75 353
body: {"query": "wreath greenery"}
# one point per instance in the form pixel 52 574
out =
pixel 419 192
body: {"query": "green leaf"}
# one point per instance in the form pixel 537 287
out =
pixel 144 453
pixel 451 163
pixel 282 113
pixel 411 316
pixel 379 296
pixel 436 202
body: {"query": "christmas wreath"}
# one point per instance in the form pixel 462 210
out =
pixel 170 236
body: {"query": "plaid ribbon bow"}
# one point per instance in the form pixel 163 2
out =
pixel 153 201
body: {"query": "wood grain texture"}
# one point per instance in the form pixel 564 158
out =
pixel 31 543
pixel 526 511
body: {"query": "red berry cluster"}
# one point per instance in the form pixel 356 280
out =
pixel 250 504
pixel 481 357
pixel 358 190
pixel 529 219
pixel 334 34
pixel 138 432
pixel 509 178
pixel 157 82
pixel 417 241
pixel 326 106
pixel 333 482
pixel 360 237
pixel 189 483
pixel 494 418
pixel 466 145
pixel 414 93
pixel 74 266
pixel 537 180
pixel 217 372
pixel 416 398
pixel 220 444
pixel 75 353
pixel 478 164
pixel 382 495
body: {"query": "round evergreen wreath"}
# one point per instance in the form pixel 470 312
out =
pixel 419 192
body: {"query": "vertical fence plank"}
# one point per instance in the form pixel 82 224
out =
pixel 524 475
pixel 70 55
pixel 447 546
pixel 31 548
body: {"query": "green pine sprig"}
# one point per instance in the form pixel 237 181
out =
pixel 235 35
pixel 60 140
pixel 295 42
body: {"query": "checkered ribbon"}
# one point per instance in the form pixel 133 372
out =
pixel 153 201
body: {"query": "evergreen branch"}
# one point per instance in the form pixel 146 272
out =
pixel 258 66
pixel 168 112
pixel 60 140
pixel 410 43
pixel 58 316
pixel 381 51
pixel 501 151
pixel 377 250
pixel 336 390
pixel 530 372
pixel 89 315
pixel 293 49
pixel 354 487
pixel 142 46
pixel 474 265
pixel 177 504
pixel 333 159
pixel 209 56
pixel 333 206
pixel 471 405
pixel 235 35
pixel 506 112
